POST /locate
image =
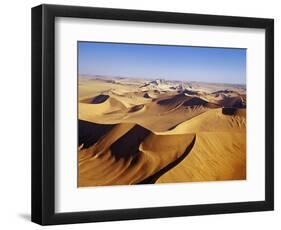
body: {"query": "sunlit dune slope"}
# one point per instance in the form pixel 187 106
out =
pixel 214 157
pixel 215 120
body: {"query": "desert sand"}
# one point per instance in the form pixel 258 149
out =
pixel 141 131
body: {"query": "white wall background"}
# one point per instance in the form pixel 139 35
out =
pixel 15 114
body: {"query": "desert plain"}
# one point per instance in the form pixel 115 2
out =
pixel 148 131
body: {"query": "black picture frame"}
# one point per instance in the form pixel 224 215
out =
pixel 43 110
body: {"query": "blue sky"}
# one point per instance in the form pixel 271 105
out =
pixel 185 63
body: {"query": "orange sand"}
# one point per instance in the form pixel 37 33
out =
pixel 135 132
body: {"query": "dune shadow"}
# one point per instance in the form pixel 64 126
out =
pixel 136 108
pixel 90 133
pixel 228 110
pixel 174 100
pixel 128 145
pixel 99 99
pixel 195 101
pixel 234 102
pixel 153 178
pixel 146 95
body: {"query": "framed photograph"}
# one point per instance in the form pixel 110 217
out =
pixel 142 114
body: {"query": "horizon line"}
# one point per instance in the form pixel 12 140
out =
pixel 147 78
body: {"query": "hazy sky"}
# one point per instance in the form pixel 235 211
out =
pixel 223 65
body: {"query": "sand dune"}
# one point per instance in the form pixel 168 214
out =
pixel 138 131
pixel 90 133
pixel 159 115
pixel 129 154
pixel 212 121
pixel 185 100
pixel 214 157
